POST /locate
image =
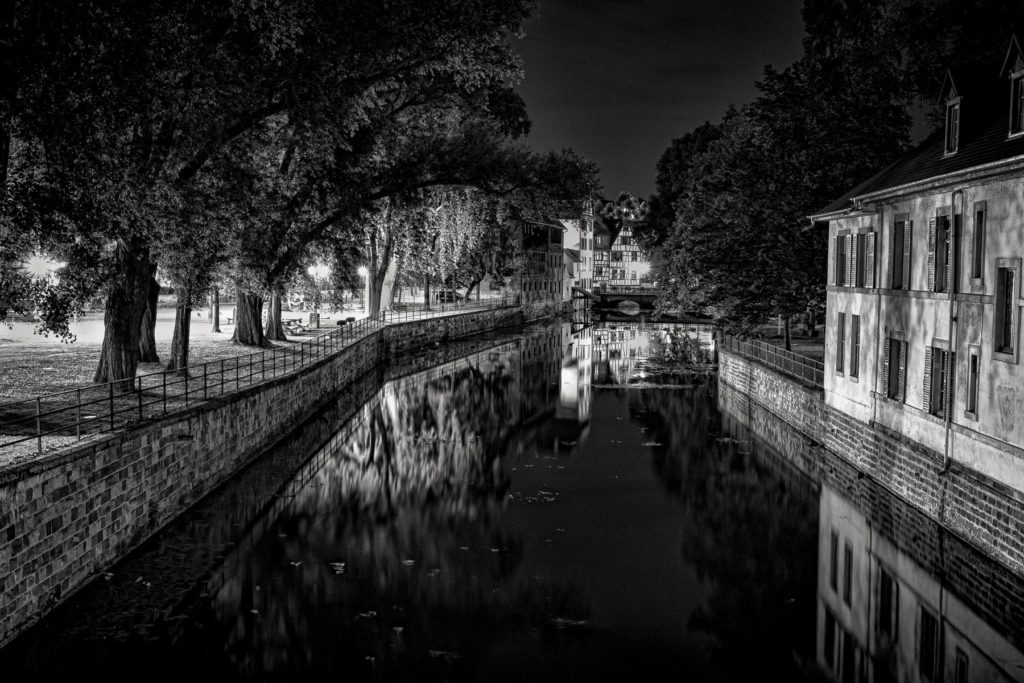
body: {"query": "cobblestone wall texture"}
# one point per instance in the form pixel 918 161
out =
pixel 988 515
pixel 68 516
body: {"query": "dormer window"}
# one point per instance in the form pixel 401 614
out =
pixel 1017 103
pixel 952 125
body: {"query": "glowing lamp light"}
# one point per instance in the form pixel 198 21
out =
pixel 41 267
pixel 320 270
pixel 363 272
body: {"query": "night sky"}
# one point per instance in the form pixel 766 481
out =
pixel 617 80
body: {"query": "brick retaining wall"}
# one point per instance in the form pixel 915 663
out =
pixel 69 515
pixel 989 515
pixel 993 591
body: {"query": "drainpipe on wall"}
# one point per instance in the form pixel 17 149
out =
pixel 880 208
pixel 954 327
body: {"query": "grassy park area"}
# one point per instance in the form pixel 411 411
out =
pixel 33 364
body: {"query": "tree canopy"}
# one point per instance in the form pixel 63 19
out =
pixel 236 136
pixel 730 213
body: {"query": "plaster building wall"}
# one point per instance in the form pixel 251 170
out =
pixel 987 438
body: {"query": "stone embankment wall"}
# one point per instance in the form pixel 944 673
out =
pixel 943 553
pixel 69 515
pixel 983 511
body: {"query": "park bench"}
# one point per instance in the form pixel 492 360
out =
pixel 294 325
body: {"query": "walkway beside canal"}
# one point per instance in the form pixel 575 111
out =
pixel 36 422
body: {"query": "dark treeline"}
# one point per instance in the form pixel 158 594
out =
pixel 231 144
pixel 729 217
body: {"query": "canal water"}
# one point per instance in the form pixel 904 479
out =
pixel 576 502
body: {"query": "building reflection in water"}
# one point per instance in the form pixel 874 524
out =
pixel 937 612
pixel 900 598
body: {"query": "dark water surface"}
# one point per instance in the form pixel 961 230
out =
pixel 487 512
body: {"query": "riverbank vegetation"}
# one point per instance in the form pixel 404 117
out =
pixel 729 218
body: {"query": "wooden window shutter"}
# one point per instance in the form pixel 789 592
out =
pixel 926 397
pixel 851 278
pixel 869 261
pixel 931 254
pixel 834 262
pixel 892 254
pixel 907 229
pixel 885 368
pixel 902 388
pixel 951 233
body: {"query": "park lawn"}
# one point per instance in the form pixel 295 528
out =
pixel 30 367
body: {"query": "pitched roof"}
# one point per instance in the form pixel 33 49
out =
pixel 984 138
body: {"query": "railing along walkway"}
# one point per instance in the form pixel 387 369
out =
pixel 54 420
pixel 799 367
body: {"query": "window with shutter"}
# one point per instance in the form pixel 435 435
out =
pixel 859 259
pixel 895 269
pixel 841 260
pixel 901 391
pixel 973 368
pixel 850 250
pixel 869 260
pixel 1017 103
pixel 854 346
pixel 937 385
pixel 926 390
pixel 887 381
pixel 952 125
pixel 978 251
pixel 931 254
pixel 907 230
pixel 840 342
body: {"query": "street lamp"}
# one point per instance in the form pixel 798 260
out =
pixel 365 274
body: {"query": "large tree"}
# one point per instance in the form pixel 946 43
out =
pixel 132 101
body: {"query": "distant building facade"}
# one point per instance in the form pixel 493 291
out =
pixel 619 259
pixel 544 262
pixel 924 293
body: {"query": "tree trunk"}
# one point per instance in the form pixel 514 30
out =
pixel 812 323
pixel 248 326
pixel 789 338
pixel 147 334
pixel 274 330
pixel 387 282
pixel 215 309
pixel 182 326
pixel 122 320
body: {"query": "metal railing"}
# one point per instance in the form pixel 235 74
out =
pixel 110 406
pixel 800 367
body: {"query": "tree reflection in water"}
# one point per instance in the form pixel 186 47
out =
pixel 750 533
pixel 394 559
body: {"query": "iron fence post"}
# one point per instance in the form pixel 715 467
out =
pixel 140 398
pixel 110 406
pixel 165 390
pixel 186 386
pixel 78 416
pixel 206 367
pixel 221 376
